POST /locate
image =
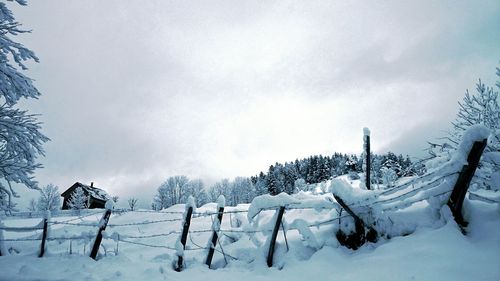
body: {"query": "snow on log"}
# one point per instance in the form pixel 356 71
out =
pixel 109 205
pixel 221 202
pixel 266 202
pixel 472 134
pixel 366 131
pixel 348 193
pixel 191 203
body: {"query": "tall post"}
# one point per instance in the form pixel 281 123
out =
pixel 102 226
pixel 183 240
pixel 221 203
pixel 456 200
pixel 215 236
pixel 44 234
pixel 274 235
pixel 366 139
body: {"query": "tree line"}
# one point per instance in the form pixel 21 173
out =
pixel 289 177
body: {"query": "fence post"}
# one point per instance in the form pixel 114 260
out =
pixel 272 243
pixel 185 230
pixel 102 226
pixel 2 245
pixel 366 139
pixel 359 237
pixel 44 234
pixel 221 203
pixel 456 200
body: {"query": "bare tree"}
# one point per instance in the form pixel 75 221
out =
pixel 131 203
pixel 50 198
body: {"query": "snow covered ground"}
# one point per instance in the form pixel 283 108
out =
pixel 433 251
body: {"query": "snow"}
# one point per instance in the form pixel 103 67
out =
pixel 366 132
pixel 349 195
pixel 267 201
pixel 436 249
pixel 472 134
pixel 419 239
pixel 191 203
pixel 110 205
pixel 221 201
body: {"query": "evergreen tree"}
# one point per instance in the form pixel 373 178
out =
pixel 78 200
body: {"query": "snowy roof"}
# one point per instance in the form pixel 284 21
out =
pixel 94 192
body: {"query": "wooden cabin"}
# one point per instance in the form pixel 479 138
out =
pixel 96 197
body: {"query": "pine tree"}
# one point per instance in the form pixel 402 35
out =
pixel 78 200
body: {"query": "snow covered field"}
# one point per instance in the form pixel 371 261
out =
pixel 433 251
pixel 418 238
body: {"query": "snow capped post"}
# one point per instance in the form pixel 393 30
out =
pixel 221 203
pixel 102 226
pixel 366 146
pixel 362 232
pixel 45 232
pixel 180 245
pixel 274 235
pixel 473 142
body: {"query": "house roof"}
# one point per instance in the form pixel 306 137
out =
pixel 94 192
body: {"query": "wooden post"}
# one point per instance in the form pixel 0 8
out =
pixel 456 200
pixel 358 238
pixel 185 230
pixel 215 236
pixel 368 162
pixel 1 239
pixel 102 226
pixel 272 244
pixel 44 234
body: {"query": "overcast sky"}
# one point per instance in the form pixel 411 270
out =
pixel 137 91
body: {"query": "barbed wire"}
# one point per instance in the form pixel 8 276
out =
pixel 74 224
pixel 151 235
pixel 142 223
pixel 81 217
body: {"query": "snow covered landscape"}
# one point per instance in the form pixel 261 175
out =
pixel 249 140
pixel 434 249
pixel 417 236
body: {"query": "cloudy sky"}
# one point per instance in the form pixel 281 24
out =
pixel 136 91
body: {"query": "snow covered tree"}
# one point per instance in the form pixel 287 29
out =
pixel 173 191
pixel 50 198
pixel 78 200
pixel 195 188
pixel 389 176
pixel 300 185
pixel 20 137
pixel 482 108
pixel 32 207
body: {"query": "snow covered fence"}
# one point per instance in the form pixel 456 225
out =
pixel 42 225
